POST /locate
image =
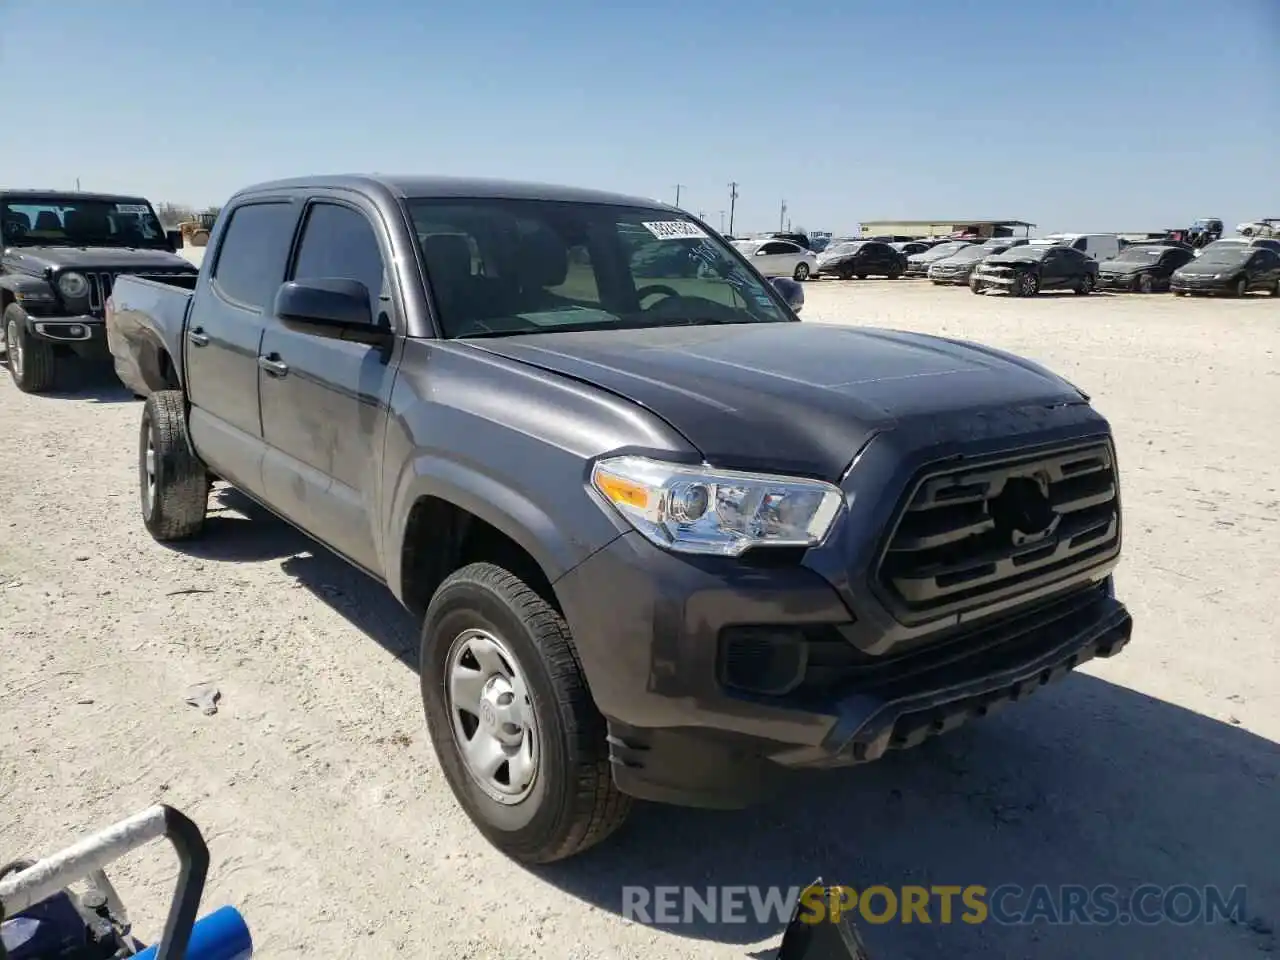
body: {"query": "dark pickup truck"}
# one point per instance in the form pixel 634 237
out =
pixel 62 252
pixel 665 541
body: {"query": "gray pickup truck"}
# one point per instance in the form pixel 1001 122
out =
pixel 666 541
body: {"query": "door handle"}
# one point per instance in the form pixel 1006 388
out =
pixel 198 337
pixel 273 365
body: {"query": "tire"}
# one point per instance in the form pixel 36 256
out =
pixel 1086 286
pixel 1146 283
pixel 802 273
pixel 1027 286
pixel 845 274
pixel 1275 289
pixel 173 485
pixel 1241 287
pixel 31 362
pixel 895 275
pixel 862 276
pixel 975 286
pixel 570 802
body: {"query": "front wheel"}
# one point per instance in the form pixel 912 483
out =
pixel 1241 288
pixel 1028 285
pixel 975 286
pixel 862 276
pixel 511 718
pixel 31 362
pixel 1146 283
pixel 802 272
pixel 173 483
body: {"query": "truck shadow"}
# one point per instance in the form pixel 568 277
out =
pixel 1086 783
pixel 94 382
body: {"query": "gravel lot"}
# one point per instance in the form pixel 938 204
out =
pixel 332 827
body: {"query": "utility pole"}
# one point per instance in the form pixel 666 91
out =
pixel 702 215
pixel 77 184
pixel 733 202
pixel 679 187
pixel 782 217
pixel 722 221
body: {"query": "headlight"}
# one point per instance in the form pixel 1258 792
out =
pixel 1218 276
pixel 73 285
pixel 702 510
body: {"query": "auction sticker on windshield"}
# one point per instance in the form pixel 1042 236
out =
pixel 675 230
pixel 132 208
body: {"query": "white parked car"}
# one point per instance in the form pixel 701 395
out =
pixel 779 258
pixel 1100 246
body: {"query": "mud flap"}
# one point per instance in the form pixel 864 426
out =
pixel 805 939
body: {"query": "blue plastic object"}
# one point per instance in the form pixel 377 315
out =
pixel 222 935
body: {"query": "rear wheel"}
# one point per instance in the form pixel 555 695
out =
pixel 862 276
pixel 802 272
pixel 31 362
pixel 1086 285
pixel 512 721
pixel 173 483
pixel 1275 289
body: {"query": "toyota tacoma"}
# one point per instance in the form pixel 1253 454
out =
pixel 665 541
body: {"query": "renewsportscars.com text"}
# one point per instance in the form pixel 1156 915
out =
pixel 1007 904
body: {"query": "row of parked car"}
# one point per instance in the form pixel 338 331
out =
pixel 1025 266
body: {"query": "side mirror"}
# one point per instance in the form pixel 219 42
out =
pixel 175 240
pixel 791 291
pixel 335 303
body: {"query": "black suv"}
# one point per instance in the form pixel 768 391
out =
pixel 862 259
pixel 62 252
pixel 1025 271
pixel 1143 268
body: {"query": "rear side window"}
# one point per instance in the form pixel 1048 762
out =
pixel 253 253
pixel 338 241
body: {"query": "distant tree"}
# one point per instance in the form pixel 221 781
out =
pixel 172 214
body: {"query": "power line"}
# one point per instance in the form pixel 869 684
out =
pixel 733 202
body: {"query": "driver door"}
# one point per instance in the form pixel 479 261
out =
pixel 775 258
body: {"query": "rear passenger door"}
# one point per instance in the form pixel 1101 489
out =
pixel 1267 270
pixel 324 399
pixel 223 334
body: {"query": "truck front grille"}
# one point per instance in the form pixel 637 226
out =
pixel 971 536
pixel 101 283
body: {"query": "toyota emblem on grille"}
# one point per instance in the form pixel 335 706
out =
pixel 1023 511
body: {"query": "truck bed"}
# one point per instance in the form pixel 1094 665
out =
pixel 145 319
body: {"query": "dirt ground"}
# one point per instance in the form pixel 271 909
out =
pixel 332 828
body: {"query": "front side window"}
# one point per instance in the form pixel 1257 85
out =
pixel 61 221
pixel 338 241
pixel 500 267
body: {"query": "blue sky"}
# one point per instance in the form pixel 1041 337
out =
pixel 1074 114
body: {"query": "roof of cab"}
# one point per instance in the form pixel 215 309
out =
pixel 33 193
pixel 422 188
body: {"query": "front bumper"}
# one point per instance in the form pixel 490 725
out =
pixel 1178 285
pixel 916 270
pixel 666 642
pixel 1117 281
pixel 86 335
pixel 958 277
pixel 1005 280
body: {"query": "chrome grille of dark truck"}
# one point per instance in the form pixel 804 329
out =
pixel 101 283
pixel 970 536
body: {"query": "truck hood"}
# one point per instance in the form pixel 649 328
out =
pixel 97 258
pixel 799 398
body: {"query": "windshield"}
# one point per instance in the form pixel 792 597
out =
pixel 502 267
pixel 1027 251
pixel 971 251
pixel 844 249
pixel 946 249
pixel 60 221
pixel 1229 253
pixel 1141 253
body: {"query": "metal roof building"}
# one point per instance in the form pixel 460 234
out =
pixel 945 228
